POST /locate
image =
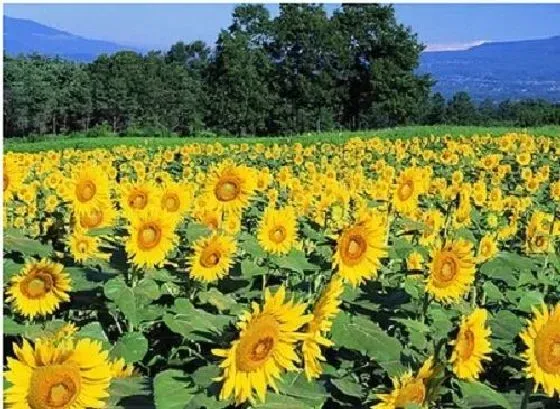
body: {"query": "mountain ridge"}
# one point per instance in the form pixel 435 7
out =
pixel 496 70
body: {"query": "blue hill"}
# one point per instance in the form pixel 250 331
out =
pixel 25 37
pixel 517 69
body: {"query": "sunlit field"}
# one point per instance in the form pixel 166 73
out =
pixel 412 272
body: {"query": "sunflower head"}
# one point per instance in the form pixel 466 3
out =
pixel 151 237
pixel 278 230
pixel 542 356
pixel 451 271
pixel 265 348
pixel 471 346
pixel 229 187
pixel 89 188
pixel 359 249
pixel 69 374
pixel 39 288
pixel 212 257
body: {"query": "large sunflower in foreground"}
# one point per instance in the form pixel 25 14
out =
pixel 66 375
pixel 265 348
pixel 212 257
pixel 324 312
pixel 39 288
pixel 408 389
pixel 229 187
pixel 471 346
pixel 359 248
pixel 88 189
pixel 278 230
pixel 542 338
pixel 451 271
pixel 151 237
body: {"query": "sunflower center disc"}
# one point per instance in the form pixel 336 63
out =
pixel 448 269
pixel 149 237
pixel 37 285
pixel 467 344
pixel 279 234
pixel 92 219
pixel 227 191
pixel 171 203
pixel 406 190
pixel 139 200
pixel 54 387
pixel 85 191
pixel 210 260
pixel 355 247
pixel 262 348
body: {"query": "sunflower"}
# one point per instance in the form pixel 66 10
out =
pixel 542 338
pixel 229 187
pixel 175 198
pixel 359 248
pixel 137 196
pixel 487 248
pixel 265 348
pixel 70 374
pixel 278 230
pixel 119 369
pixel 88 189
pixel 408 187
pixel 13 177
pixel 414 261
pixel 84 247
pixel 451 271
pixel 408 389
pixel 151 237
pixel 97 217
pixel 324 312
pixel 471 346
pixel 39 288
pixel 212 257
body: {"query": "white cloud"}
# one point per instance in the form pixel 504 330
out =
pixel 453 46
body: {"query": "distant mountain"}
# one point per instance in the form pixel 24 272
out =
pixel 25 37
pixel 500 70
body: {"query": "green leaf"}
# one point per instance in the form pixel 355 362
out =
pixel 80 281
pixel 194 231
pixel 251 245
pixel 11 268
pixel 295 260
pixel 221 301
pixel 492 291
pixel 361 334
pixel 251 269
pixel 15 240
pixel 93 330
pixel 132 347
pixel 297 386
pixel 348 386
pixel 276 401
pixel 171 390
pixel 530 299
pixel 123 296
pixel 128 393
pixel 203 376
pixel 417 331
pixel 505 325
pixel 147 289
pixel 479 395
pixel 194 323
pixel 11 327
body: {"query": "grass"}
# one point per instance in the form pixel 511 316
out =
pixel 58 142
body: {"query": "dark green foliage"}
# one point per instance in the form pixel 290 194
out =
pixel 302 71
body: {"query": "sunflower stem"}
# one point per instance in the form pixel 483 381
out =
pixel 527 394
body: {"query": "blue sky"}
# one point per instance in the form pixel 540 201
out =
pixel 440 26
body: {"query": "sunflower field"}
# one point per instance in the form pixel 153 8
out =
pixel 375 273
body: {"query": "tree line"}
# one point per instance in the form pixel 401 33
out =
pixel 301 71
